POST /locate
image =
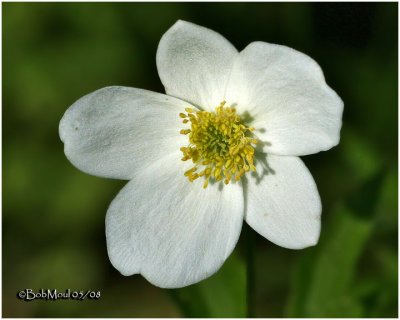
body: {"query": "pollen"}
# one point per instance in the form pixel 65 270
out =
pixel 220 146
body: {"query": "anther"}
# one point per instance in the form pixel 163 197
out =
pixel 220 145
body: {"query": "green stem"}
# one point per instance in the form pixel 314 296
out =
pixel 250 243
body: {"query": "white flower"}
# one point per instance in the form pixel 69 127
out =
pixel 172 230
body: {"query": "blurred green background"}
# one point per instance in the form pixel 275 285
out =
pixel 53 214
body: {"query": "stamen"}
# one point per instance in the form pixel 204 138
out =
pixel 220 146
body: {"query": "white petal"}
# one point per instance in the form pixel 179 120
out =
pixel 194 64
pixel 116 131
pixel 284 91
pixel 283 203
pixel 173 232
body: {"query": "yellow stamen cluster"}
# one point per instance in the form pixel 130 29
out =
pixel 220 145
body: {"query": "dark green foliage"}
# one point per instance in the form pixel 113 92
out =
pixel 53 214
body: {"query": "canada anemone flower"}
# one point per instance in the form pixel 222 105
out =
pixel 221 146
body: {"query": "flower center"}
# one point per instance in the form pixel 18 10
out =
pixel 220 145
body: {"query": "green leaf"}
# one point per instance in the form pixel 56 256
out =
pixel 386 211
pixel 335 268
pixel 222 295
pixel 360 155
pixel 324 276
